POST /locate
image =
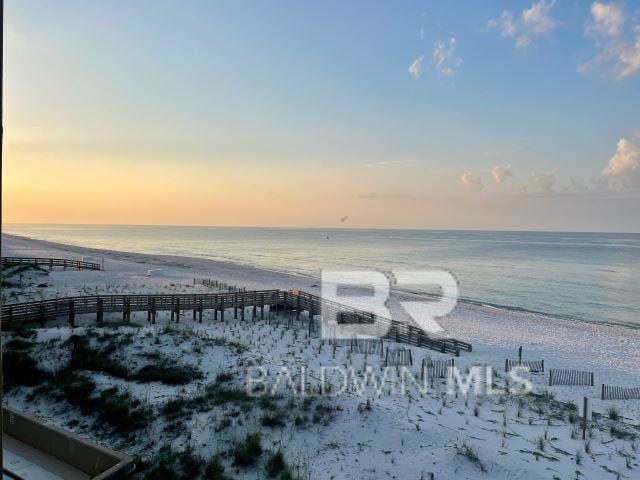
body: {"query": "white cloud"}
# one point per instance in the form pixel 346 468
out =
pixel 630 58
pixel 471 181
pixel 617 48
pixel 415 69
pixel 501 173
pixel 505 23
pixel 607 19
pixel 383 163
pixel 541 183
pixel 444 57
pixel 532 22
pixel 623 168
pixel 537 19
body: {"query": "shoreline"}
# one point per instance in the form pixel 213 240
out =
pixel 294 276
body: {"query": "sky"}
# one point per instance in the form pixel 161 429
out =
pixel 496 115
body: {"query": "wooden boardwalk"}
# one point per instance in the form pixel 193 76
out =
pixel 50 262
pixel 292 302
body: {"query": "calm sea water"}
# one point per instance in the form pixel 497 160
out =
pixel 587 276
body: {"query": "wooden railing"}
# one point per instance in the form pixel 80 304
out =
pixel 294 302
pixel 50 262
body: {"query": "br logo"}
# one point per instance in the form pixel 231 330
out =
pixel 368 292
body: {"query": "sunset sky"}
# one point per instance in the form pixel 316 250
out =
pixel 417 114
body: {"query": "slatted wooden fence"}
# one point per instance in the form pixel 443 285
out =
pixel 570 377
pixel 50 262
pixel 620 393
pixel 435 368
pixel 367 346
pixel 397 357
pixel 218 285
pixel 534 366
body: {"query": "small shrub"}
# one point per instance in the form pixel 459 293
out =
pixel 173 406
pixel 172 465
pixel 273 420
pixel 275 464
pixel 224 423
pixel 467 450
pixel 214 469
pixel 224 377
pixel 167 374
pixel 613 414
pixel 248 452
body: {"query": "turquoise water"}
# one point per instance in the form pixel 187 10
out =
pixel 588 276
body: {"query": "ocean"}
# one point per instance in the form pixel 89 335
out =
pixel 592 277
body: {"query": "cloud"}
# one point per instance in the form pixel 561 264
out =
pixel 444 57
pixel 623 168
pixel 415 69
pixel 607 19
pixel 505 23
pixel 532 22
pixel 471 182
pixel 537 19
pixel 617 48
pixel 383 163
pixel 541 183
pixel 501 174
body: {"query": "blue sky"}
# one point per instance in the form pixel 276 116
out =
pixel 543 90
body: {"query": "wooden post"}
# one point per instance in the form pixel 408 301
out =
pixel 603 391
pixel 200 311
pixel 520 354
pixel 506 365
pixel 100 314
pixel 177 310
pixel 72 314
pixel 242 309
pixel 585 406
pixel 262 306
pixel 592 379
pixel 254 314
pixel 222 309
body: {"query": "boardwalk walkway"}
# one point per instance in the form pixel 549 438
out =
pixel 292 302
pixel 50 262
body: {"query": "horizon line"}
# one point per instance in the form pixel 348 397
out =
pixel 317 228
